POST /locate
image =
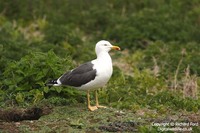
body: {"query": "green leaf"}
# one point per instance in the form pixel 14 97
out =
pixel 58 89
pixel 19 98
pixel 38 96
pixel 46 89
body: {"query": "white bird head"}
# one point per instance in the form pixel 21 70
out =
pixel 105 46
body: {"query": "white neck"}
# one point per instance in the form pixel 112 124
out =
pixel 103 55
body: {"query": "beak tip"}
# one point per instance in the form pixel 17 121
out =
pixel 116 48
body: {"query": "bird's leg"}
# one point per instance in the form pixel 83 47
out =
pixel 91 108
pixel 97 101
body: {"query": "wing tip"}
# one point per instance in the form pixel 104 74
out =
pixel 52 83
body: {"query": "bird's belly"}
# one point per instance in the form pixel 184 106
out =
pixel 100 80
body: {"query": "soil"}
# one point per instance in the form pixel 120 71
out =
pixel 119 126
pixel 76 118
pixel 16 115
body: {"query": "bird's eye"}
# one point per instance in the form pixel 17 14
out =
pixel 105 45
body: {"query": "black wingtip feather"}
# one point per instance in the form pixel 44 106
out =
pixel 51 82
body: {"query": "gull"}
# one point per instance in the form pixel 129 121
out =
pixel 90 75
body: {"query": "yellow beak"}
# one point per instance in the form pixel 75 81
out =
pixel 115 48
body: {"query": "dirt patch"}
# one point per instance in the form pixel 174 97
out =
pixel 8 127
pixel 119 126
pixel 16 115
pixel 10 118
pixel 76 118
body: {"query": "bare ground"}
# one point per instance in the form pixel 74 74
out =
pixel 76 118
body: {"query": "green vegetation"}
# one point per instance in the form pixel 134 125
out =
pixel 157 71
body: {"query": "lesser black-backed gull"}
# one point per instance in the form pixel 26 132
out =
pixel 90 75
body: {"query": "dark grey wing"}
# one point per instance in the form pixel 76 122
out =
pixel 79 76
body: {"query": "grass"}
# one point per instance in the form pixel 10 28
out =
pixel 156 75
pixel 76 118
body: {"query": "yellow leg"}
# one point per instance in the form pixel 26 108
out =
pixel 91 108
pixel 97 101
